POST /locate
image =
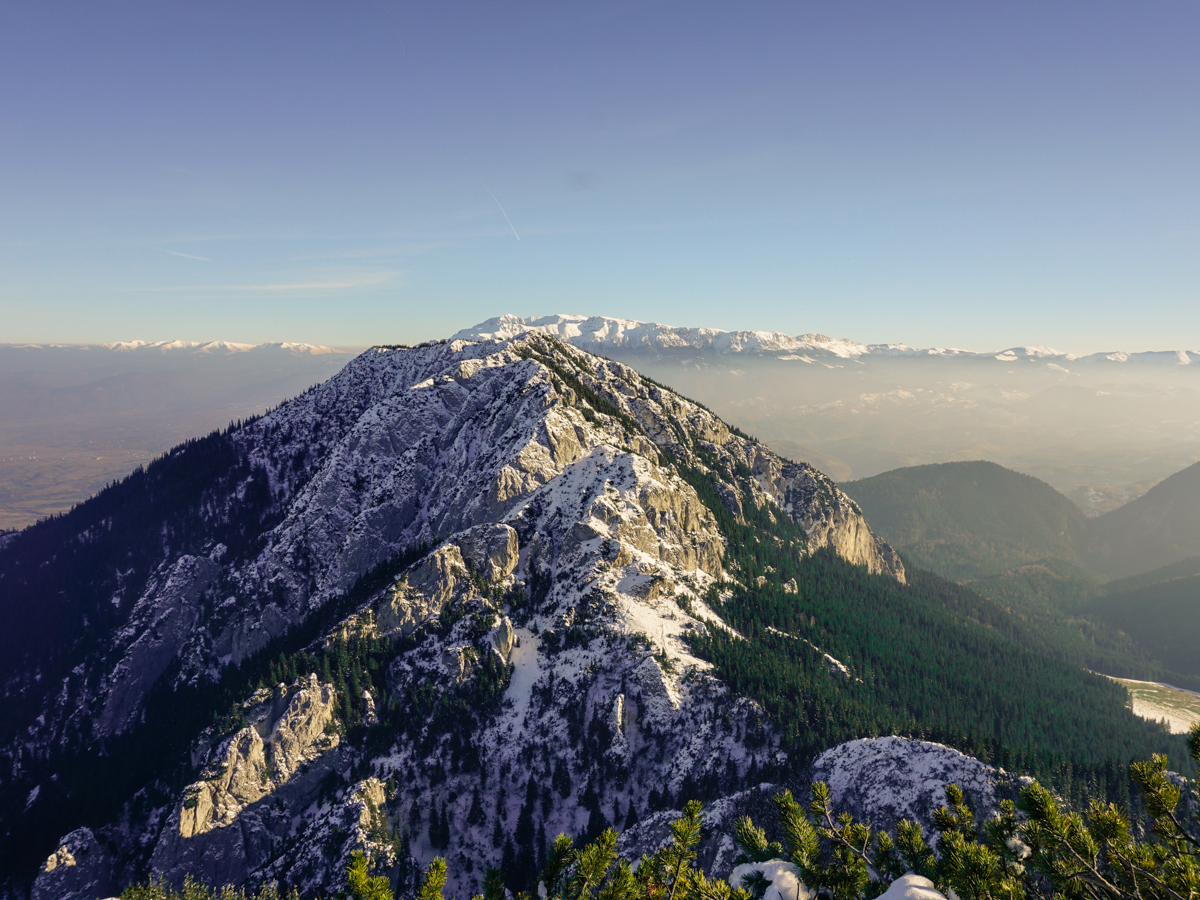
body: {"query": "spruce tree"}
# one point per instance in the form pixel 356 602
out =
pixel 561 779
pixel 526 859
pixel 508 865
pixel 475 815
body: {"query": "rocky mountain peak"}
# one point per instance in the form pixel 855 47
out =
pixel 521 536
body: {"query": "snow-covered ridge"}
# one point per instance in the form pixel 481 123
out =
pixel 883 780
pixel 186 348
pixel 600 333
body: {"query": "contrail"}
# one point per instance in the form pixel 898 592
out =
pixel 506 218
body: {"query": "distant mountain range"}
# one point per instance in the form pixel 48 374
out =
pixel 179 348
pixel 596 333
pixel 1100 427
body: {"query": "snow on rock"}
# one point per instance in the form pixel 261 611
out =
pixel 884 780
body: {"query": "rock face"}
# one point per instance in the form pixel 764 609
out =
pixel 539 639
pixel 78 870
pixel 262 756
pixel 225 826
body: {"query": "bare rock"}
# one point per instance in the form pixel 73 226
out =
pixel 491 548
pixel 80 869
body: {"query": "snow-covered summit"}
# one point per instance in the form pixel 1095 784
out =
pixel 596 333
pixel 603 334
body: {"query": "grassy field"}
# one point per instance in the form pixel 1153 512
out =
pixel 1151 700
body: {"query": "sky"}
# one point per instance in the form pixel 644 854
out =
pixel 979 175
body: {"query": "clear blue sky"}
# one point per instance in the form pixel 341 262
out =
pixel 971 174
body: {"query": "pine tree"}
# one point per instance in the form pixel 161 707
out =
pixel 433 882
pixel 362 886
pixel 631 818
pixel 561 779
pixel 508 865
pixel 435 827
pixel 493 884
pixel 526 859
pixel 475 815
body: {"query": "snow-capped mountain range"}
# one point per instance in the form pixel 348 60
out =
pixel 599 333
pixel 183 348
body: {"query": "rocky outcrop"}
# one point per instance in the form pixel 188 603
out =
pixel 293 727
pixel 80 869
pixel 491 549
pixel 884 780
pixel 223 827
pixel 160 625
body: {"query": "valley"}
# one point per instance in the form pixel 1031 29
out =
pixel 1164 702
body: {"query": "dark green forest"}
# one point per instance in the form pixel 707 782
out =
pixel 929 659
pixel 1021 543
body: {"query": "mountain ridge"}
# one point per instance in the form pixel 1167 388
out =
pixel 596 332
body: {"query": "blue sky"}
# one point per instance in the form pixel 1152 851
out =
pixel 969 174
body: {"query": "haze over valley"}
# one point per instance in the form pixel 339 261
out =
pixel 75 417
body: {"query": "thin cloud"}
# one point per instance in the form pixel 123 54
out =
pixel 278 287
pixel 185 255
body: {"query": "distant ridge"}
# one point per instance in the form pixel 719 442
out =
pixel 187 348
pixel 598 333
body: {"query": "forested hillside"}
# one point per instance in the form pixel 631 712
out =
pixel 1157 529
pixel 1019 542
pixel 1162 614
pixel 969 520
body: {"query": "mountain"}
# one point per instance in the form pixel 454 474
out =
pixel 599 334
pixel 1155 530
pixel 457 599
pixel 75 417
pixel 968 520
pixel 1100 427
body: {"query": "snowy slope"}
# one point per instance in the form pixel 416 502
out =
pixel 546 471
